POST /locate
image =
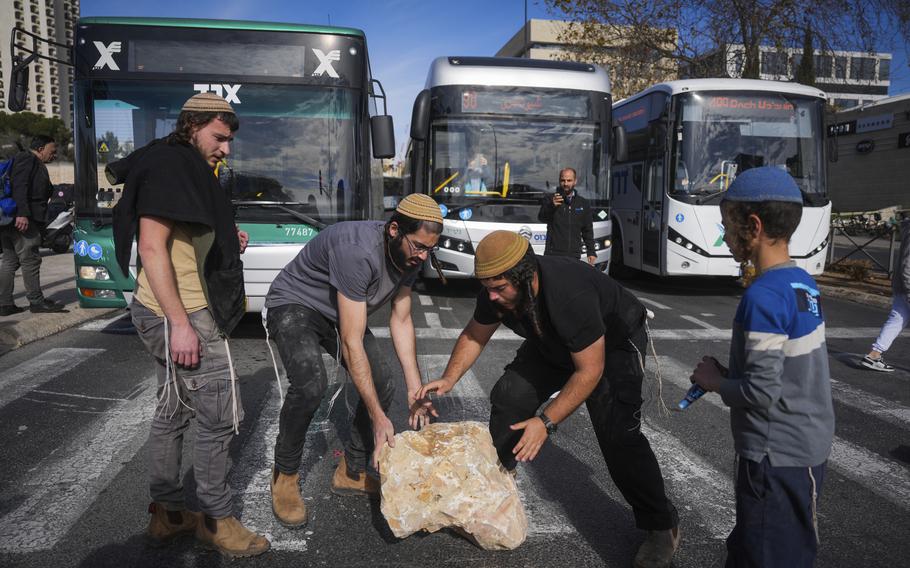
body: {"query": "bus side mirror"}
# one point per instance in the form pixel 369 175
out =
pixel 383 134
pixel 18 94
pixel 420 117
pixel 620 145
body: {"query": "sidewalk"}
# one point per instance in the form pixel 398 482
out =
pixel 57 283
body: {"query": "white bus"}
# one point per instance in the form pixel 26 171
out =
pixel 687 140
pixel 489 136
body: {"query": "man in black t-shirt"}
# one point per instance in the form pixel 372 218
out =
pixel 584 337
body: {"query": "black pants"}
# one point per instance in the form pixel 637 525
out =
pixel 301 335
pixel 614 407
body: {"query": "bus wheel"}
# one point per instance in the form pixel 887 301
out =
pixel 617 268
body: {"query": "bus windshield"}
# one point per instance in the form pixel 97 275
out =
pixel 510 161
pixel 719 135
pixel 295 146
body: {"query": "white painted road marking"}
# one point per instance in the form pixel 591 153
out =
pixel 16 382
pixel 433 320
pixel 63 486
pixel 698 322
pixel 654 303
pixel 425 300
pixel 887 479
pixel 881 408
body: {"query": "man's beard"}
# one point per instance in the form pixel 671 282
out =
pixel 396 255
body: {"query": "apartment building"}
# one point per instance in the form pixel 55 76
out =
pixel 50 84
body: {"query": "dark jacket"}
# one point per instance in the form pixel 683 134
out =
pixel 568 226
pixel 900 280
pixel 173 181
pixel 31 186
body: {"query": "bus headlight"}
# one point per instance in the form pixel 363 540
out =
pixel 99 294
pixel 682 241
pixel 819 248
pixel 602 243
pixel 94 273
pixel 457 245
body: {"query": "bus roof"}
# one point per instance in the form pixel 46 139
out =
pixel 723 84
pixel 221 25
pixel 517 72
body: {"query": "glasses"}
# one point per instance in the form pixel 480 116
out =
pixel 420 248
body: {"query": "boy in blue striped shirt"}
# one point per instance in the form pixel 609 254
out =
pixel 778 386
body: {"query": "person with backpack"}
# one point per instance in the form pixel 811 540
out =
pixel 31 187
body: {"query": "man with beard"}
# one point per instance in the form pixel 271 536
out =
pixel 320 301
pixel 584 337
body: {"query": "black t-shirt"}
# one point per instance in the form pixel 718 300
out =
pixel 577 305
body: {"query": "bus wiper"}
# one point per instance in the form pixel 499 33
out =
pixel 709 197
pixel 296 214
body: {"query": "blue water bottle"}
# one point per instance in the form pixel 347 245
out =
pixel 694 393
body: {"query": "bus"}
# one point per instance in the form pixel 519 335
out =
pixel 686 142
pixel 304 157
pixel 489 136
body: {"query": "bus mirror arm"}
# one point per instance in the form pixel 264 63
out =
pixel 382 130
pixel 620 146
pixel 18 94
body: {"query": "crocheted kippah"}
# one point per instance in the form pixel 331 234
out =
pixel 207 102
pixel 764 184
pixel 498 252
pixel 421 207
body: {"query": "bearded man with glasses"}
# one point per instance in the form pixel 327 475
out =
pixel 320 302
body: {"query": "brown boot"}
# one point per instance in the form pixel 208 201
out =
pixel 343 483
pixel 658 548
pixel 287 505
pixel 230 538
pixel 165 526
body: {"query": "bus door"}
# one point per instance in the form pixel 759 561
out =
pixel 652 215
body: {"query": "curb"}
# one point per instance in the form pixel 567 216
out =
pixel 40 326
pixel 874 300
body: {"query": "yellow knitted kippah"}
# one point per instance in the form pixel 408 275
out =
pixel 421 207
pixel 207 102
pixel 498 252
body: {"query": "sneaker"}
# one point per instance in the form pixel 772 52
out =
pixel 877 364
pixel 165 526
pixel 10 310
pixel 47 307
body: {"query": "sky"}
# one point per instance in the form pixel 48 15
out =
pixel 403 36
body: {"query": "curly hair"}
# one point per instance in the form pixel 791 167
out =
pixel 522 277
pixel 190 121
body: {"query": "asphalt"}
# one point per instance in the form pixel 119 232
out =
pixel 57 283
pixel 58 274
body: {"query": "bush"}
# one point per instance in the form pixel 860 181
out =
pixel 858 270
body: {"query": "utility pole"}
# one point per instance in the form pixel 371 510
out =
pixel 527 33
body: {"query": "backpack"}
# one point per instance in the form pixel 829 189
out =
pixel 7 203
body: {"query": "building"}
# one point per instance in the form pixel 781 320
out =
pixel 850 78
pixel 50 84
pixel 871 146
pixel 546 39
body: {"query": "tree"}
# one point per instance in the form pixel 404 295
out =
pixel 20 127
pixel 638 30
pixel 108 148
pixel 805 72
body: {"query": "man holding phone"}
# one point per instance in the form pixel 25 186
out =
pixel 569 220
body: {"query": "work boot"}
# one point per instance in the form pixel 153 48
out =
pixel 47 307
pixel 287 504
pixel 165 526
pixel 230 538
pixel 11 309
pixel 345 483
pixel 658 548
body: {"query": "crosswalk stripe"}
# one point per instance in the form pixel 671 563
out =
pixel 716 334
pixel 884 409
pixel 62 487
pixel 881 476
pixel 16 382
pixel 425 300
pixel 433 321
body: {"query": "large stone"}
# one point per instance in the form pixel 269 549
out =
pixel 448 475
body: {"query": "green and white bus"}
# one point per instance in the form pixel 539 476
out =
pixel 304 156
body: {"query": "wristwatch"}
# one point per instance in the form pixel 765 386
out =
pixel 551 427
